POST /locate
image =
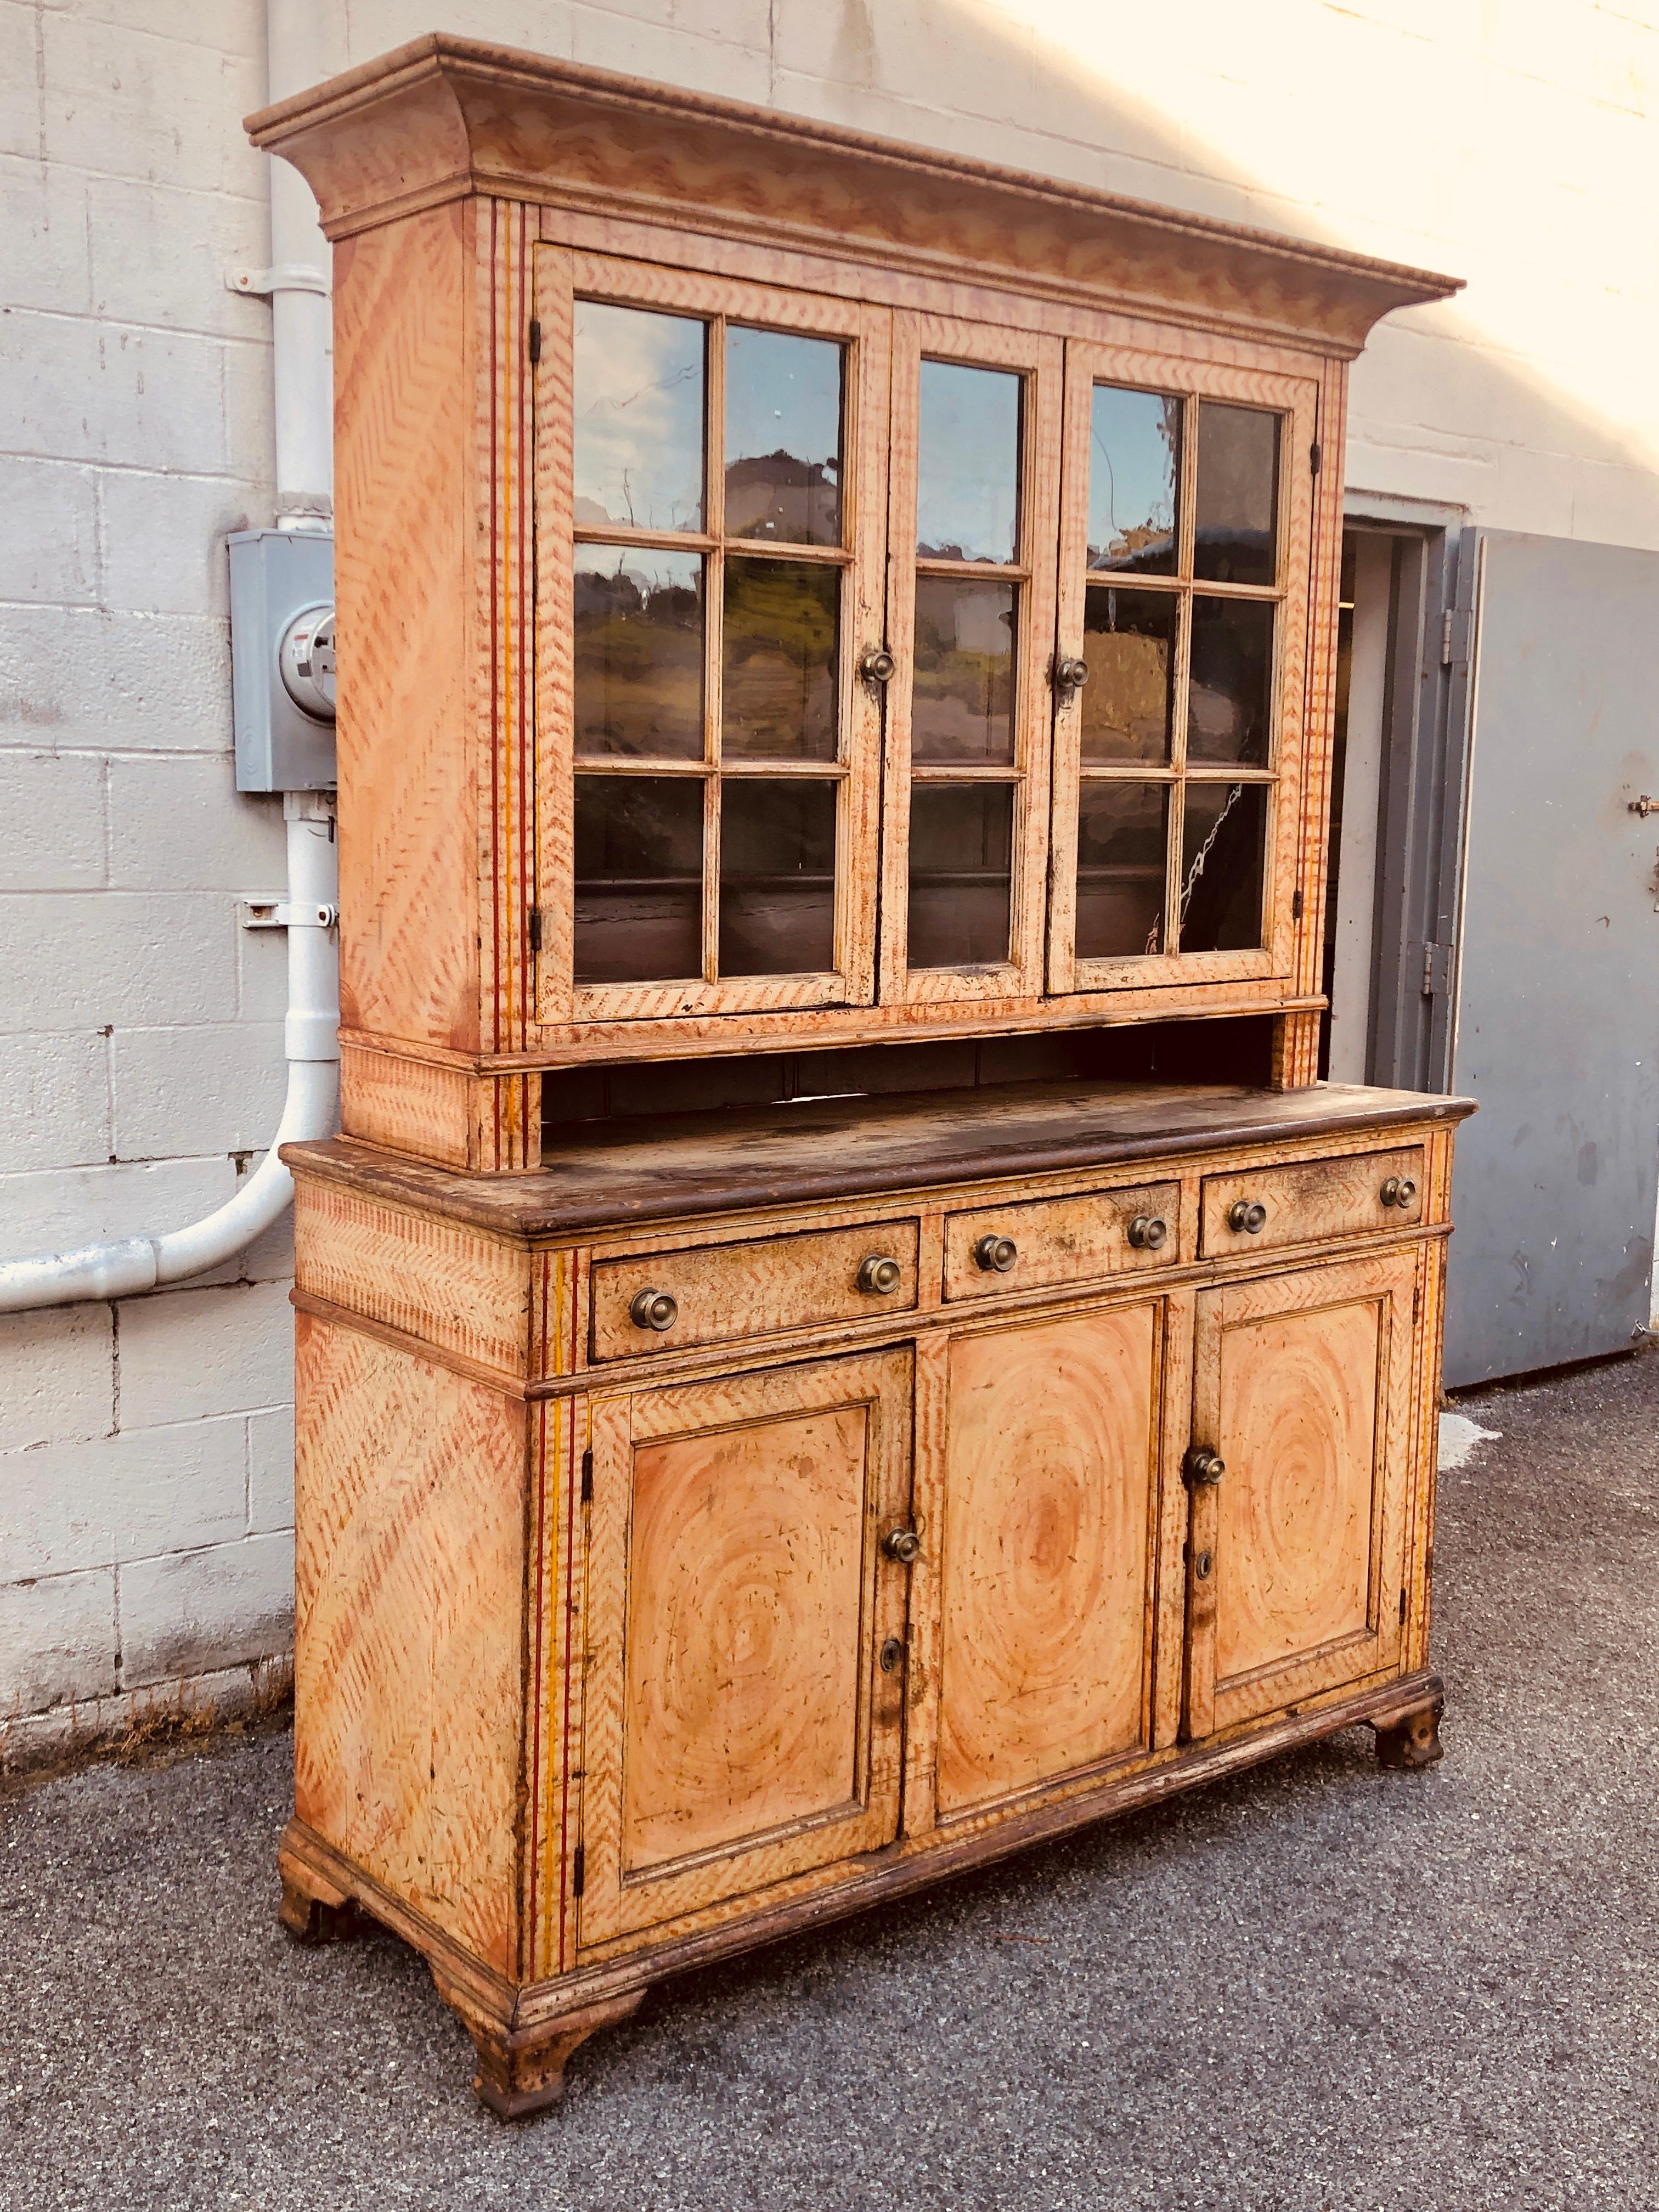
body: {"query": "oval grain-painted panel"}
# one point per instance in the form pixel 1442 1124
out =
pixel 1298 1504
pixel 746 1644
pixel 1048 1488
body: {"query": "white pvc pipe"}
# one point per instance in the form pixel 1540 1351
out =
pixel 297 34
pixel 121 1269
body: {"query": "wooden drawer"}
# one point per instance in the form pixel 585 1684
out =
pixel 1311 1200
pixel 1060 1240
pixel 725 1292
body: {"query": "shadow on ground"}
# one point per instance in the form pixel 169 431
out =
pixel 1316 1985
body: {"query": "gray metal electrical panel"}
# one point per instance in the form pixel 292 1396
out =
pixel 282 651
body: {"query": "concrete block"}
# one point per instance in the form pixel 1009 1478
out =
pixel 191 239
pixel 69 1206
pixel 85 959
pixel 179 823
pixel 270 1258
pixel 1615 506
pixel 270 1469
pixel 161 540
pixel 54 1100
pixel 231 27
pixel 43 219
pixel 21 123
pixel 53 833
pixel 190 1611
pixel 262 963
pixel 49 547
pixel 218 1089
pixel 59 1376
pixel 667 51
pixel 99 1501
pixel 57 1641
pixel 82 676
pixel 188 1354
pixel 84 390
pixel 120 99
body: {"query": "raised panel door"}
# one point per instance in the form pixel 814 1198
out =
pixel 1302 1387
pixel 739 1728
pixel 1051 1515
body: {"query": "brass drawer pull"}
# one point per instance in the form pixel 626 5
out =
pixel 877 664
pixel 903 1545
pixel 653 1310
pixel 1247 1217
pixel 1398 1190
pixel 996 1254
pixel 1149 1232
pixel 1204 1467
pixel 879 1274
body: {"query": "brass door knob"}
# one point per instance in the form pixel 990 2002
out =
pixel 996 1254
pixel 903 1545
pixel 879 1274
pixel 1398 1190
pixel 1149 1232
pixel 1071 673
pixel 653 1310
pixel 877 664
pixel 1203 1466
pixel 1248 1216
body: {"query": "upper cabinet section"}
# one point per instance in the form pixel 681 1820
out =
pixel 795 587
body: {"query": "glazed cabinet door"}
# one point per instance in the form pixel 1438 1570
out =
pixel 1302 1389
pixel 739 1727
pixel 1049 1551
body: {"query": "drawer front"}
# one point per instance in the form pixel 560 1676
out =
pixel 1303 1203
pixel 1060 1240
pixel 722 1293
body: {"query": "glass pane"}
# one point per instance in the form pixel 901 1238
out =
pixel 962 702
pixel 639 878
pixel 782 437
pixel 638 637
pixel 1134 467
pixel 1230 698
pixel 777 878
pixel 1129 702
pixel 961 874
pixel 968 467
pixel 638 418
pixel 778 688
pixel 1237 505
pixel 1222 849
pixel 1122 847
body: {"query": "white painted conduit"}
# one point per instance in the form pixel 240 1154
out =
pixel 301 369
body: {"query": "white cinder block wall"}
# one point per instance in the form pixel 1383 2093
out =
pixel 145 1490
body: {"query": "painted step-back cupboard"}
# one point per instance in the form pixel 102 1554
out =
pixel 842 1334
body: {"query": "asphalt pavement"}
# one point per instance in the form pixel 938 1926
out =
pixel 1316 1985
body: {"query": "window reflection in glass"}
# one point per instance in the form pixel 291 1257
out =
pixel 1229 695
pixel 783 410
pixel 967 464
pixel 962 696
pixel 638 652
pixel 639 878
pixel 1127 706
pixel 1237 508
pixel 779 659
pixel 1222 854
pixel 1134 467
pixel 1122 841
pixel 777 878
pixel 637 418
pixel 961 874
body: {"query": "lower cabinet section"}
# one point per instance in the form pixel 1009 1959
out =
pixel 740 1725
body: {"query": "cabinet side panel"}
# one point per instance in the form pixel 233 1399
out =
pixel 402 493
pixel 408 1632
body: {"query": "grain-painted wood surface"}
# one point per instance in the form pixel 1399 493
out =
pixel 409 1695
pixel 725 1292
pixel 1050 1527
pixel 1306 1201
pixel 1060 1240
pixel 739 1724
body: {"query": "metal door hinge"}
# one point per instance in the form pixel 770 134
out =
pixel 1455 624
pixel 587 1478
pixel 535 342
pixel 535 929
pixel 578 1870
pixel 1314 457
pixel 1436 970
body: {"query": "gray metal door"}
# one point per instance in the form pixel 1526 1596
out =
pixel 1558 1015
